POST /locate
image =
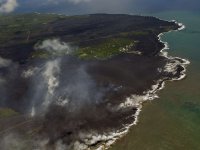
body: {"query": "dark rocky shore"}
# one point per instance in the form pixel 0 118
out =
pixel 94 88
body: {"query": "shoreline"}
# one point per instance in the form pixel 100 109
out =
pixel 106 139
pixel 152 93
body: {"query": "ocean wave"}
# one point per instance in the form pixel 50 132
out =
pixel 93 139
pixel 136 101
pixel 100 141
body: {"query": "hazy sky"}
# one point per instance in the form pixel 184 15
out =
pixel 98 6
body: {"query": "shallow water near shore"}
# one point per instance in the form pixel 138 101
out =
pixel 172 121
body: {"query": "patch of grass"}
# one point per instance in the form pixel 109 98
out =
pixel 7 112
pixel 110 47
pixel 15 25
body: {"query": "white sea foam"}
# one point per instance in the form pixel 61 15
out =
pixel 134 101
pixel 171 67
pixel 137 100
pixel 109 138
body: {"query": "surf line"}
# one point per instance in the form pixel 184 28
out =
pixel 152 93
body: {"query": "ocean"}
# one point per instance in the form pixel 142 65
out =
pixel 172 121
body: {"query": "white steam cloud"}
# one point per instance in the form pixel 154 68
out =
pixel 45 82
pixel 51 77
pixel 49 74
pixel 7 6
pixel 4 62
pixel 54 46
pixel 49 80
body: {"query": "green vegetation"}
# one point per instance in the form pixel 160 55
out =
pixel 103 50
pixel 7 112
pixel 98 36
pixel 22 25
pixel 106 49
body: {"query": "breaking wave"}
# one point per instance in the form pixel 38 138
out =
pixel 78 94
pixel 136 101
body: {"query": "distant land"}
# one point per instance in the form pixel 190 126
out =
pixel 97 35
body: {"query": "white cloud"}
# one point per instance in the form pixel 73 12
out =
pixel 54 46
pixel 7 6
pixel 71 1
pixel 78 1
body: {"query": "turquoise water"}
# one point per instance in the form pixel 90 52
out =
pixel 184 43
pixel 172 122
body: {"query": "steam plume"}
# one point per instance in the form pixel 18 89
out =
pixel 54 46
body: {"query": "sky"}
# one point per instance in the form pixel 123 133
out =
pixel 96 6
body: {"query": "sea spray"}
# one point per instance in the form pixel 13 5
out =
pixel 87 139
pixel 73 104
pixel 137 100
